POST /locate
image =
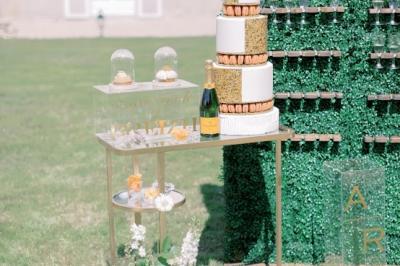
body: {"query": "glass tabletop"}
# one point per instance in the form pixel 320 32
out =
pixel 142 141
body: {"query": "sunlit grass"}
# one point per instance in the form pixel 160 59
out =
pixel 53 186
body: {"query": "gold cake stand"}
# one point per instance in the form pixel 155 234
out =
pixel 194 141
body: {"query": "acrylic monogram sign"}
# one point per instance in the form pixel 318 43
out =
pixel 355 213
pixel 373 235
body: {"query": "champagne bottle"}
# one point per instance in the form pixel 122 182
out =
pixel 209 107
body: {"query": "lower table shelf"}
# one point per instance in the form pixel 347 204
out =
pixel 120 200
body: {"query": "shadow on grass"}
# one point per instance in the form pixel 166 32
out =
pixel 211 246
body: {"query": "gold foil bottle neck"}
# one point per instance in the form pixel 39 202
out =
pixel 209 84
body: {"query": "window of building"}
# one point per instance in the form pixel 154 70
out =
pixel 76 8
pixel 150 8
pixel 87 8
pixel 113 7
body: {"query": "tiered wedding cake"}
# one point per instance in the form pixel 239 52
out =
pixel 243 77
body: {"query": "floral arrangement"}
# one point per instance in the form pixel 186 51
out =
pixel 136 248
pixel 189 250
pixel 135 251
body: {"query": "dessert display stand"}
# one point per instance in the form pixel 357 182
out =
pixel 159 148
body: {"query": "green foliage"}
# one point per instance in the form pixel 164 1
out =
pixel 249 173
pixel 121 250
pixel 43 160
pixel 166 247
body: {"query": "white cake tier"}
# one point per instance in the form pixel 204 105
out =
pixel 250 124
pixel 241 2
pixel 242 35
pixel 244 84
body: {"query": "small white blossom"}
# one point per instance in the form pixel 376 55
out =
pixel 164 203
pixel 134 245
pixel 189 250
pixel 142 252
pixel 138 232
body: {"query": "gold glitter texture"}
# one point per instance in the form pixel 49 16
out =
pixel 228 84
pixel 256 32
pixel 230 2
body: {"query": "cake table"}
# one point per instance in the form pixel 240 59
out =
pixel 194 142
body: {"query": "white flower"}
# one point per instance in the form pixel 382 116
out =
pixel 134 245
pixel 164 203
pixel 190 249
pixel 142 252
pixel 137 239
pixel 138 232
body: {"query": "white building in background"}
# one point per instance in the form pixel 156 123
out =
pixel 123 18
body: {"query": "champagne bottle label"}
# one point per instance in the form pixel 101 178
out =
pixel 209 125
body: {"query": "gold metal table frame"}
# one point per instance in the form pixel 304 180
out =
pixel 159 149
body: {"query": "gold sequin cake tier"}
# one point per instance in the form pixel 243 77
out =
pixel 244 84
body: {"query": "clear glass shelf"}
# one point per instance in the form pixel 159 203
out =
pixel 120 200
pixel 144 86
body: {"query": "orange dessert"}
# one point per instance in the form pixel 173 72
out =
pixel 135 183
pixel 151 193
pixel 180 133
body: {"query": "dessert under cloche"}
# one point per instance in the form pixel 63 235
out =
pixel 122 68
pixel 166 66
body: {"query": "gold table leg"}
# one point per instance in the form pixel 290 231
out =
pixel 138 218
pixel 161 186
pixel 110 208
pixel 136 171
pixel 278 195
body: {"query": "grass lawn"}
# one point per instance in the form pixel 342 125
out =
pixel 52 174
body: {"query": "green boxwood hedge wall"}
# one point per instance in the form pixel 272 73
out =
pixel 248 171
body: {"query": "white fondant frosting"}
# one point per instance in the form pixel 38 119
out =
pixel 250 124
pixel 231 35
pixel 257 82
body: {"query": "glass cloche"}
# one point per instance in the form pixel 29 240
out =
pixel 122 68
pixel 166 66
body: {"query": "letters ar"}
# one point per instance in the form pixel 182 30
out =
pixel 353 201
pixel 373 236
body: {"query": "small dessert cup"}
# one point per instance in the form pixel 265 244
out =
pixel 135 195
pixel 149 195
